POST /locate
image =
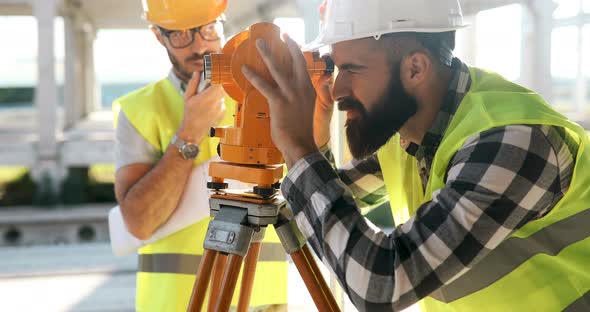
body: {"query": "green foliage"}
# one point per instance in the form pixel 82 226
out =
pixel 15 95
pixel 89 185
pixel 45 194
pixel 82 185
pixel 17 191
pixel 74 189
pixel 102 173
pixel 10 174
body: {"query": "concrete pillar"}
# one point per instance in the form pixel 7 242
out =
pixel 74 63
pixel 536 58
pixel 79 88
pixel 47 169
pixel 92 95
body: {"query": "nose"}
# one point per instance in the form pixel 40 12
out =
pixel 341 88
pixel 200 46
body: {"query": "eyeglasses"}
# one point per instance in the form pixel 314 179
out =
pixel 183 38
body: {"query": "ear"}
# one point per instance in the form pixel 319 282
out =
pixel 158 35
pixel 416 68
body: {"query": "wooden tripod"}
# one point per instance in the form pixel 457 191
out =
pixel 234 237
pixel 250 156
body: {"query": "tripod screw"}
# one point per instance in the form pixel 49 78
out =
pixel 217 185
pixel 264 192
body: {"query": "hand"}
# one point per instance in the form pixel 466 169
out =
pixel 324 109
pixel 291 102
pixel 201 111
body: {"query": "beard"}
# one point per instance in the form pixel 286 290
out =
pixel 182 71
pixel 372 129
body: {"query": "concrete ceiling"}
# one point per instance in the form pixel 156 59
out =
pixel 127 13
pixel 240 13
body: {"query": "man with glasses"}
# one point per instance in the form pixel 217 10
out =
pixel 162 156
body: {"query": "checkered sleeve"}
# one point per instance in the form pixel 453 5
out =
pixel 498 181
pixel 363 177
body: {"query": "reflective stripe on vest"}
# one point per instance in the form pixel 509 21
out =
pixel 543 265
pixel 550 241
pixel 189 264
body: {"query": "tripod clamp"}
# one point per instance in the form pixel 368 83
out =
pixel 289 234
pixel 236 224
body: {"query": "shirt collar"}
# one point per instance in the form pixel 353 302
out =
pixel 458 87
pixel 180 86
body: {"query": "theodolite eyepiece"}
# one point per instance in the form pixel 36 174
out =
pixel 329 63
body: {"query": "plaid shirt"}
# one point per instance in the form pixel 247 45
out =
pixel 499 180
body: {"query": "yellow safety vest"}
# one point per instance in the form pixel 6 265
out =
pixel 544 266
pixel 167 268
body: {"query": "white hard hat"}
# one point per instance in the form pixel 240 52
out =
pixel 354 19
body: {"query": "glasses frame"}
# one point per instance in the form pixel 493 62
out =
pixel 167 32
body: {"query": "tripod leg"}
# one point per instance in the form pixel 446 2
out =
pixel 320 279
pixel 202 281
pixel 218 271
pixel 311 280
pixel 248 277
pixel 230 279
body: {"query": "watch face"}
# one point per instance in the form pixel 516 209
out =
pixel 190 151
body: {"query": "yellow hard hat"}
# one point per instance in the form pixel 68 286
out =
pixel 182 14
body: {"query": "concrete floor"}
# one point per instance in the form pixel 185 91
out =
pixel 86 278
pixel 66 278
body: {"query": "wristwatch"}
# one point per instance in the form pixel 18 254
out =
pixel 187 150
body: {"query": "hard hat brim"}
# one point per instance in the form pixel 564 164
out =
pixel 321 40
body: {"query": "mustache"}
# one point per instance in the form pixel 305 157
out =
pixel 196 56
pixel 350 104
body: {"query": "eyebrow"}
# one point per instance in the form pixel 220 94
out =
pixel 350 66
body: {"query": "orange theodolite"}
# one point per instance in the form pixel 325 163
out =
pixel 235 234
pixel 247 148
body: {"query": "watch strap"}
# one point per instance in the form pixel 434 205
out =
pixel 178 142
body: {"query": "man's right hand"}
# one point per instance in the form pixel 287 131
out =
pixel 201 111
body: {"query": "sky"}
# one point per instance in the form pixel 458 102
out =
pixel 136 56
